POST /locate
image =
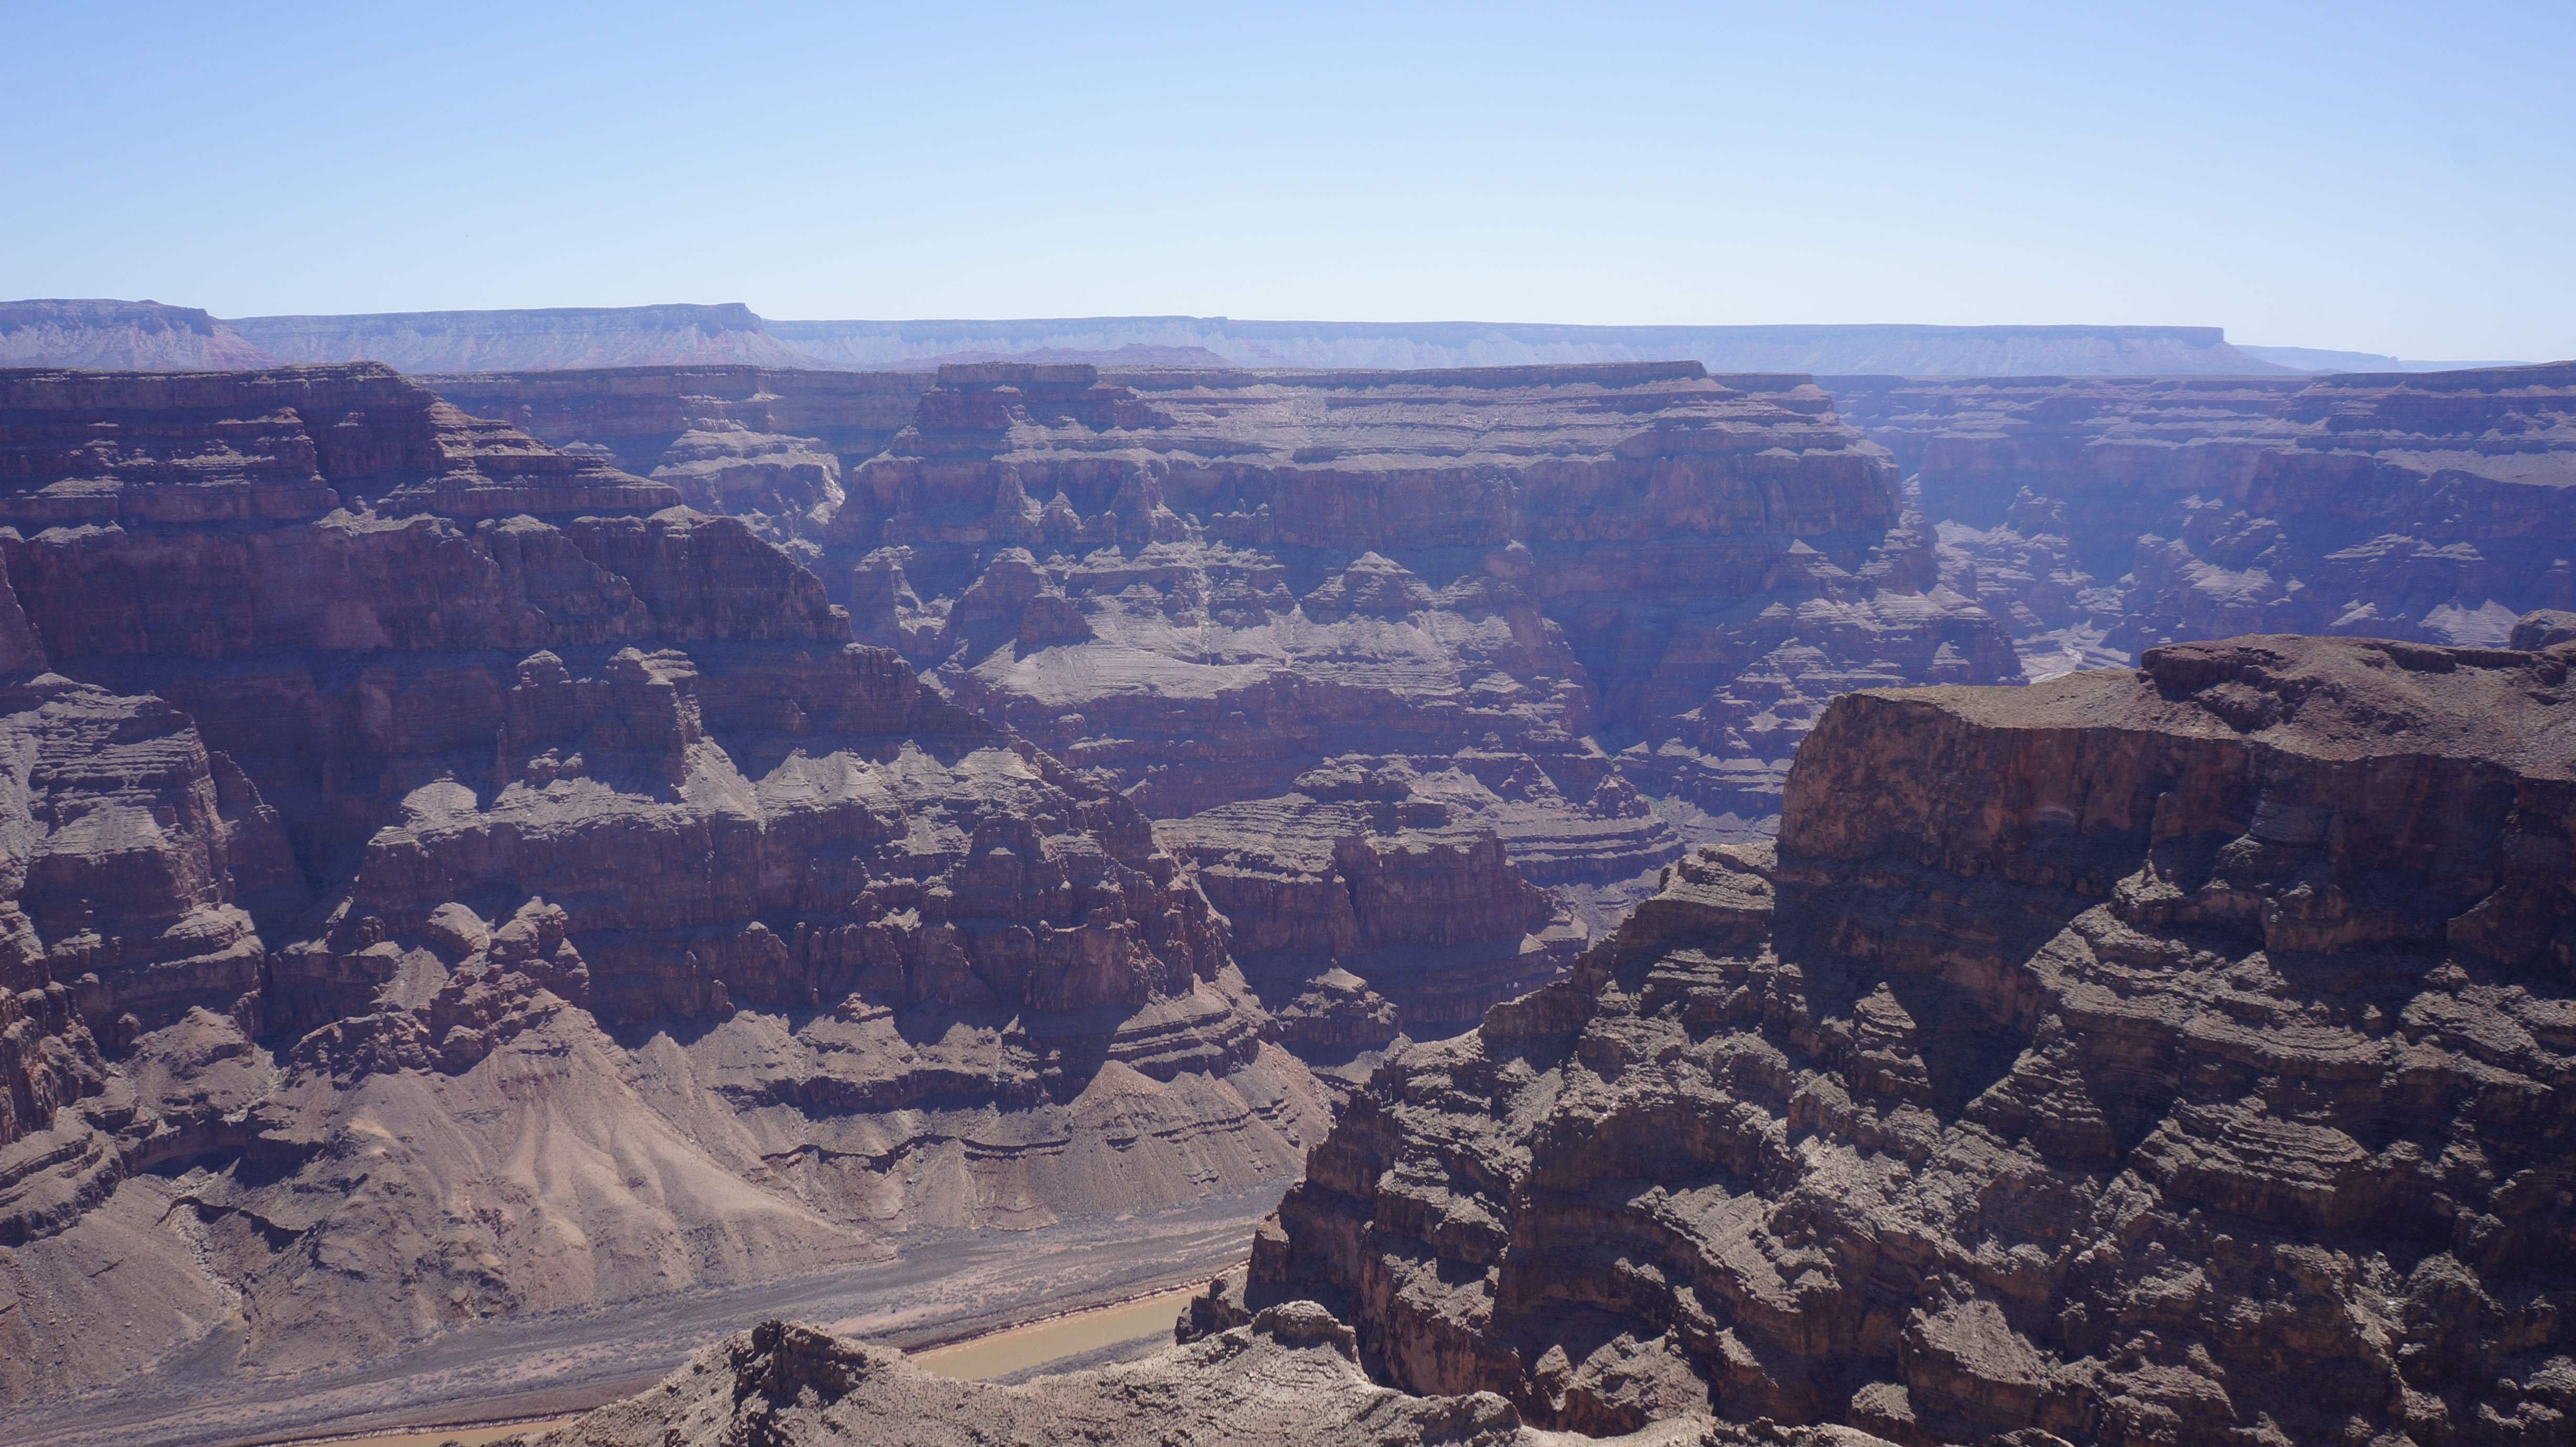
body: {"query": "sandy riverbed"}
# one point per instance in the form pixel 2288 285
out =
pixel 942 1287
pixel 1080 1333
pixel 1009 1352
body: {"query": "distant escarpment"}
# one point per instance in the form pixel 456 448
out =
pixel 2101 517
pixel 695 335
pixel 2179 1054
pixel 444 876
pixel 1426 671
pixel 547 337
pixel 1908 350
pixel 121 335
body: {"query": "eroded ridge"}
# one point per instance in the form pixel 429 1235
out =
pixel 2179 1054
pixel 445 878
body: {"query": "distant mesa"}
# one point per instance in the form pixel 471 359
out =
pixel 149 336
pixel 124 336
pixel 1902 350
pixel 2315 359
pixel 555 337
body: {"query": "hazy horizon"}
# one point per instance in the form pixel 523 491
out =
pixel 2365 179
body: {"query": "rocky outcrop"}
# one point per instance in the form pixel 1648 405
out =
pixel 2102 517
pixel 1288 1376
pixel 2170 1055
pixel 445 878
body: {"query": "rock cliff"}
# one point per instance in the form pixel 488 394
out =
pixel 2101 517
pixel 1385 649
pixel 446 877
pixel 2179 1054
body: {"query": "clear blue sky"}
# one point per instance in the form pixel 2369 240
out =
pixel 2377 177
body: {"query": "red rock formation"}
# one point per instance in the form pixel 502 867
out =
pixel 416 914
pixel 2170 1055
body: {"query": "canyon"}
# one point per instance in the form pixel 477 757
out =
pixel 2102 517
pixel 2156 1055
pixel 449 880
pixel 1396 659
pixel 2177 1054
pixel 487 847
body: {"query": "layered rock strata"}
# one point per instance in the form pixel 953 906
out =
pixel 2101 517
pixel 1314 619
pixel 446 878
pixel 1287 1377
pixel 2172 1055
pixel 1544 584
pixel 767 445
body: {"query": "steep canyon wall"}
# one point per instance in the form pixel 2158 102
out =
pixel 2178 1054
pixel 448 877
pixel 1389 652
